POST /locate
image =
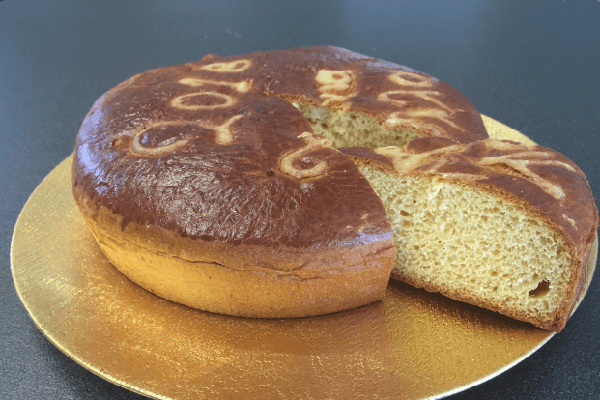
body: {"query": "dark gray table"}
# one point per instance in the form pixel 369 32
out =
pixel 532 65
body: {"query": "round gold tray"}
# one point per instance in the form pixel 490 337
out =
pixel 413 344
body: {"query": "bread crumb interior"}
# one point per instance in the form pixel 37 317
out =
pixel 472 244
pixel 464 243
pixel 351 129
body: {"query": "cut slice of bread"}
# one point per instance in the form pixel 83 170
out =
pixel 494 223
pixel 348 129
pixel 498 224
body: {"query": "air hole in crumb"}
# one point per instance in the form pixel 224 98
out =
pixel 324 126
pixel 542 288
pixel 404 213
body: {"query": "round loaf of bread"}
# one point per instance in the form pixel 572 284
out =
pixel 216 184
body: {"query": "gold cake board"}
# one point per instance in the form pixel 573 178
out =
pixel 413 344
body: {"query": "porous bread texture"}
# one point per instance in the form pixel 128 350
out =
pixel 467 244
pixel 348 129
pixel 475 246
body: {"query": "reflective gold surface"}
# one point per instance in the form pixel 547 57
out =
pixel 413 344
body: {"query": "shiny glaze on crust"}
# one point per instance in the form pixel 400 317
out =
pixel 197 148
pixel 235 192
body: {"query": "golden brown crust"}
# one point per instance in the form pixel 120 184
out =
pixel 245 280
pixel 249 281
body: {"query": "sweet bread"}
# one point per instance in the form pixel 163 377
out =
pixel 217 183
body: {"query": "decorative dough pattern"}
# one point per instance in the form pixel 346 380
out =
pixel 182 102
pixel 313 142
pixel 517 157
pixel 417 85
pixel 241 87
pixel 336 85
pixel 232 66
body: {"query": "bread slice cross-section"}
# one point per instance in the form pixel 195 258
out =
pixel 494 223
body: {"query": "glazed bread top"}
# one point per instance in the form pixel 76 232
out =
pixel 214 150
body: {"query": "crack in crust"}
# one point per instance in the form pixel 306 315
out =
pixel 109 241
